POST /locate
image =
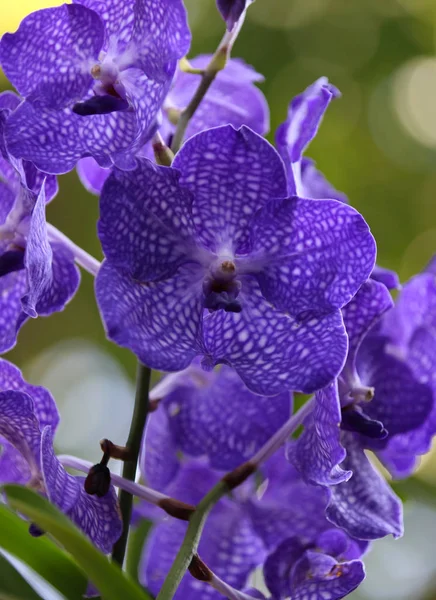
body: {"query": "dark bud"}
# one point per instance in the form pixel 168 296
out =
pixel 98 481
pixel 100 105
pixel 10 261
pixel 353 419
pixel 35 531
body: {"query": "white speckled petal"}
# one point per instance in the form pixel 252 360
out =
pixel 43 402
pixel 20 427
pixel 232 173
pixel 318 452
pixel 160 322
pixel 145 221
pixel 364 310
pixel 315 255
pixel 50 56
pixel 203 421
pixel 273 351
pixel 365 506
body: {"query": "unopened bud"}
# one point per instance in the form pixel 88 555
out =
pixel 98 480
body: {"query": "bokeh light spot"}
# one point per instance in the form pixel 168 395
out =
pixel 414 98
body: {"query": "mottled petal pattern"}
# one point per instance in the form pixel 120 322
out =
pixel 365 506
pixel 232 173
pixel 62 488
pixel 400 402
pixel 315 255
pixel 12 289
pixel 98 518
pixel 49 57
pixel 20 427
pixel 364 310
pixel 160 322
pixel 204 422
pixel 273 351
pixel 318 452
pixel 145 225
pixel 43 402
pixel 318 576
pixel 158 460
pixel 38 257
pixel 14 468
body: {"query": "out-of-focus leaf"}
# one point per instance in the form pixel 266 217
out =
pixel 417 489
pixel 12 584
pixel 112 583
pixel 42 555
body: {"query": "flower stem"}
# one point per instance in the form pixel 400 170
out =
pixel 217 64
pixel 230 481
pixel 82 258
pixel 137 427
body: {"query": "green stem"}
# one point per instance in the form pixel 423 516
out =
pixel 137 426
pixel 205 83
pixel 190 543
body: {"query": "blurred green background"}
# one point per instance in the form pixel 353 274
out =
pixel 377 144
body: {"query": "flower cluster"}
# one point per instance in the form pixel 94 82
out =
pixel 235 266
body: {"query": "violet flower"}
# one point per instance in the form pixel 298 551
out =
pixel 94 77
pixel 210 257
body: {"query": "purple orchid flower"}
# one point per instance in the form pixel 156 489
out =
pixel 37 276
pixel 196 417
pixel 305 115
pixel 377 397
pixel 94 77
pixel 210 257
pixel 28 420
pixel 232 98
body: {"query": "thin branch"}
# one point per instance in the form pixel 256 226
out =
pixel 81 257
pixel 217 64
pixel 173 507
pixel 137 427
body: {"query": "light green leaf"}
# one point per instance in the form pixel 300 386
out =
pixel 107 577
pixel 42 555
